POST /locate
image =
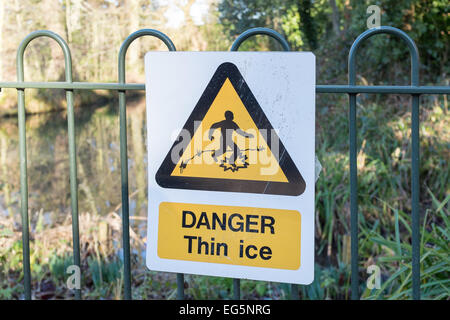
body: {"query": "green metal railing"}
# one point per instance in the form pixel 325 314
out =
pixel 121 86
pixel 124 156
pixel 23 156
pixel 414 155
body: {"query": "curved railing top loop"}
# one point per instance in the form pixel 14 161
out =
pixel 44 33
pixel 260 31
pixel 140 33
pixel 414 52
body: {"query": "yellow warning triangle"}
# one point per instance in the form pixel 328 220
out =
pixel 255 160
pixel 228 144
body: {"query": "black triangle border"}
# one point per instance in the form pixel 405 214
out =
pixel 294 187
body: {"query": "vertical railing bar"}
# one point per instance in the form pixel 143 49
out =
pixel 415 142
pixel 235 47
pixel 236 289
pixel 23 162
pixel 72 162
pixel 125 193
pixel 353 140
pixel 24 191
pixel 180 286
pixel 294 292
pixel 124 158
pixel 353 199
pixel 415 187
pixel 415 178
pixel 73 184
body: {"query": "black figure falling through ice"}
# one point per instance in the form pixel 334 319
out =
pixel 227 128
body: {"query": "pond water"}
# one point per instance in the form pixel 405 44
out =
pixel 97 139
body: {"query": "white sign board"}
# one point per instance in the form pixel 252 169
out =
pixel 231 164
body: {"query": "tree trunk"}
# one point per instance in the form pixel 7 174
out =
pixel 55 21
pixel 2 14
pixel 307 24
pixel 335 18
pixel 134 19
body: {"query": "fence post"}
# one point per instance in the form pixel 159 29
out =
pixel 235 47
pixel 415 158
pixel 124 157
pixel 23 156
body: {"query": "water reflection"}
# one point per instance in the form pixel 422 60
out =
pixel 97 138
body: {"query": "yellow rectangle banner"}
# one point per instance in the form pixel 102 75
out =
pixel 245 236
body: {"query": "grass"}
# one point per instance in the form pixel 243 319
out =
pixel 396 256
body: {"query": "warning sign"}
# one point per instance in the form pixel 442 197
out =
pixel 228 144
pixel 245 236
pixel 231 164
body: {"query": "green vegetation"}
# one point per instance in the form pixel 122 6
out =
pixel 328 28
